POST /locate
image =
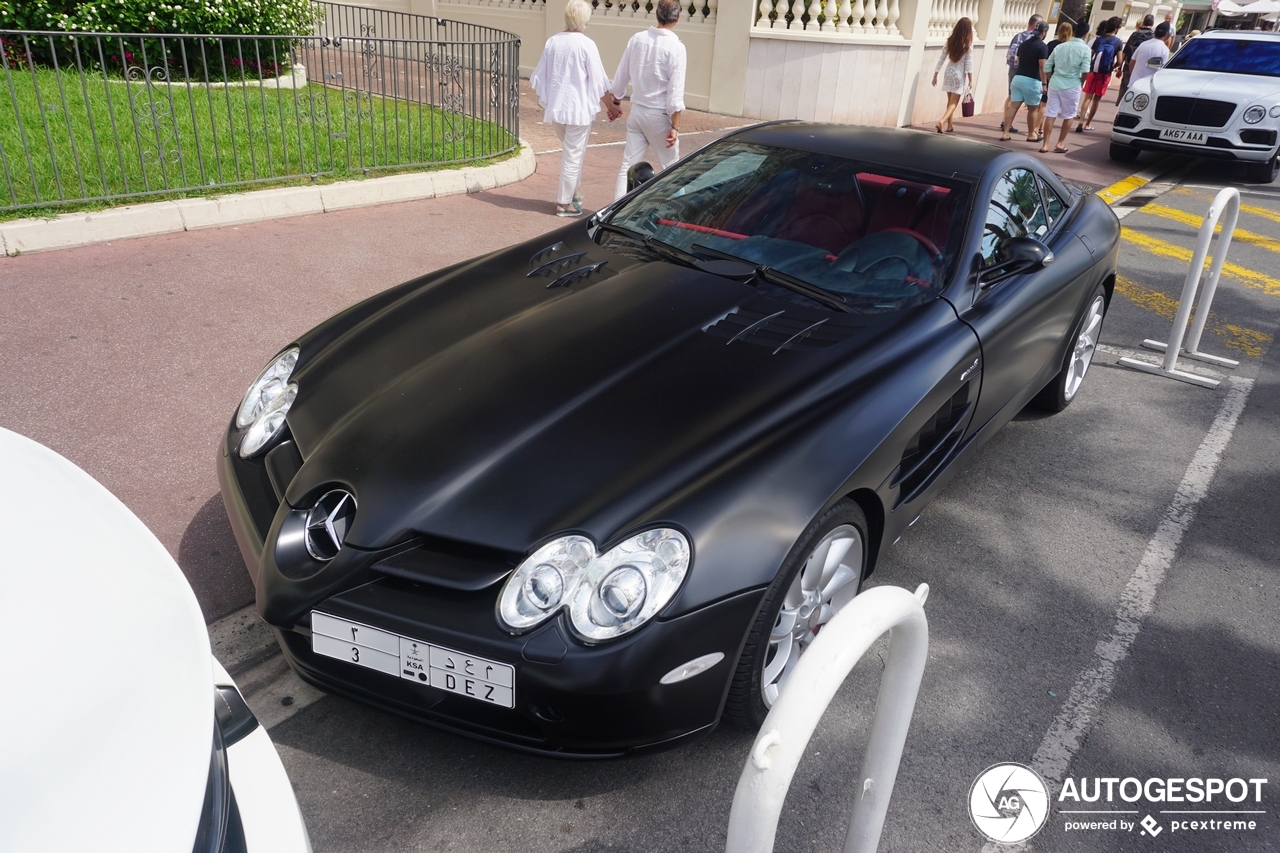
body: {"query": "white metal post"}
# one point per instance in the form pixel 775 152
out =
pixel 776 752
pixel 1227 201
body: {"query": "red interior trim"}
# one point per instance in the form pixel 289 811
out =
pixel 702 229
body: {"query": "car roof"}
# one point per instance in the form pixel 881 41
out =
pixel 1240 34
pixel 918 151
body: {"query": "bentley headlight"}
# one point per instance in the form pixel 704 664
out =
pixel 269 423
pixel 269 385
pixel 537 589
pixel 1128 96
pixel 1140 102
pixel 1255 114
pixel 625 587
pixel 607 595
pixel 1275 111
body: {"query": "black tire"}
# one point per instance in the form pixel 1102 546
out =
pixel 1122 153
pixel 746 704
pixel 1263 173
pixel 1065 387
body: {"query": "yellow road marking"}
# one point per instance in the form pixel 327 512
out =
pixel 1194 221
pixel 1248 341
pixel 1247 277
pixel 1120 189
pixel 1252 209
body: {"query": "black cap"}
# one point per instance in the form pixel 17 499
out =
pixel 1042 27
pixel 1163 31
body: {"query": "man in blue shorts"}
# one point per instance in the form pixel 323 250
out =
pixel 1027 86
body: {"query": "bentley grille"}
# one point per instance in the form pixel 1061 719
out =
pixel 1196 111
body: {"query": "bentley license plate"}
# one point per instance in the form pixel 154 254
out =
pixel 1194 137
pixel 426 663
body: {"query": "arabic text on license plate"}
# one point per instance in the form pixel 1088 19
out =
pixel 404 657
pixel 1195 137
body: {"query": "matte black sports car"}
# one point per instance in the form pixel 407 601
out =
pixel 599 490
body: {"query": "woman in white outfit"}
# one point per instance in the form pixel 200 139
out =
pixel 570 81
pixel 958 74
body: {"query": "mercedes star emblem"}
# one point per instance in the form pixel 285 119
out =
pixel 328 522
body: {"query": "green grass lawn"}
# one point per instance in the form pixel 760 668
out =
pixel 73 138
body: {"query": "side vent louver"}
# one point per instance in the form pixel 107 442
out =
pixel 779 332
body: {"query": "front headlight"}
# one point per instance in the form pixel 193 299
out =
pixel 1128 96
pixel 1275 111
pixel 607 595
pixel 269 423
pixel 537 589
pixel 262 412
pixel 1255 114
pixel 269 385
pixel 1140 102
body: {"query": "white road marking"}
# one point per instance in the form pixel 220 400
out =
pixel 1094 685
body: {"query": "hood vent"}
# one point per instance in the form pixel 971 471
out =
pixel 546 264
pixel 778 331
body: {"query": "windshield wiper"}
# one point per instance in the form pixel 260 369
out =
pixel 660 247
pixel 767 273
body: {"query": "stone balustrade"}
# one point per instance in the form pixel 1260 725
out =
pixel 1015 16
pixel 944 13
pixel 849 17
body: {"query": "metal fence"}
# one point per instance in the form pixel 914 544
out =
pixel 95 117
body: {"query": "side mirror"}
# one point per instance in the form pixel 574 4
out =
pixel 640 173
pixel 1154 62
pixel 1015 256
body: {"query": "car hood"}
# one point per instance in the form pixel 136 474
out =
pixel 489 408
pixel 1242 89
pixel 110 728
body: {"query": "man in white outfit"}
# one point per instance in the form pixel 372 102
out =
pixel 654 64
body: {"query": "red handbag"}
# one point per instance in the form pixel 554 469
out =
pixel 966 105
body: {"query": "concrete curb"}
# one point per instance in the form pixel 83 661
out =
pixel 22 236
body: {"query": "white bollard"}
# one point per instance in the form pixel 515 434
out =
pixel 778 748
pixel 1228 201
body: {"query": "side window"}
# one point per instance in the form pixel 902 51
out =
pixel 1053 203
pixel 1015 211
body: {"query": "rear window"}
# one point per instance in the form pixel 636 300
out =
pixel 1260 57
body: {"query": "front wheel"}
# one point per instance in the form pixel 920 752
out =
pixel 1122 153
pixel 1263 173
pixel 821 575
pixel 1059 393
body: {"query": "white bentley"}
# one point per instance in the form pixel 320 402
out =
pixel 1217 97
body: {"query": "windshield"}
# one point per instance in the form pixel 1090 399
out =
pixel 879 239
pixel 1231 56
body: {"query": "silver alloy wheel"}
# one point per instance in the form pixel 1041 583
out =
pixel 1086 343
pixel 827 582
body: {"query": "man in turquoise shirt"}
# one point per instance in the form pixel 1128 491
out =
pixel 1064 74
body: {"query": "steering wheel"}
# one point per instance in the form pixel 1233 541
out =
pixel 929 245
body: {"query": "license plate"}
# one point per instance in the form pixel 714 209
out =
pixel 1195 137
pixel 403 657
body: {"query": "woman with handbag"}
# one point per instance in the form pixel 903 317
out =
pixel 956 67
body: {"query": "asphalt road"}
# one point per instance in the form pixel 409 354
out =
pixel 128 359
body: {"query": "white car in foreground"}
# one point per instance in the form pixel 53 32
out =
pixel 1217 97
pixel 121 732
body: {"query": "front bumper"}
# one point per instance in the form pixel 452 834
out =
pixel 1221 143
pixel 571 700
